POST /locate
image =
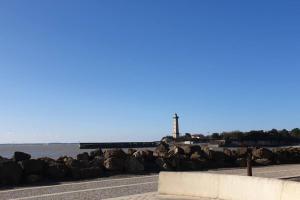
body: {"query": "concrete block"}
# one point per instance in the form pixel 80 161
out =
pixel 290 191
pixel 189 184
pixel 234 187
pixel 226 187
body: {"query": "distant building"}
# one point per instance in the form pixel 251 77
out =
pixel 175 126
pixel 198 136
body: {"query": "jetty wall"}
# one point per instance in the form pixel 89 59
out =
pixel 112 145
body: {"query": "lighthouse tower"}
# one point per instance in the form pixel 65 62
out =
pixel 175 126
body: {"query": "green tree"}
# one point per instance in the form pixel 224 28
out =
pixel 295 132
pixel 215 136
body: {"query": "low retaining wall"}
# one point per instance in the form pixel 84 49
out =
pixel 226 187
pixel 111 145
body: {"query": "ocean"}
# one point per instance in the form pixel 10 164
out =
pixel 42 150
pixel 46 150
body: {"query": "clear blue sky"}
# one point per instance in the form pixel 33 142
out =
pixel 117 70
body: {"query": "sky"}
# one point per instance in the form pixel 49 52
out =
pixel 105 71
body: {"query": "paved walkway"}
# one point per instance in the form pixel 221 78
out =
pixel 128 188
pixel 275 171
pixel 96 189
pixel 154 196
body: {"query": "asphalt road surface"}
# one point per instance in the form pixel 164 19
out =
pixel 125 188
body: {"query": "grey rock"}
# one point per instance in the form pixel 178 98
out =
pixel 56 171
pixel 10 173
pixel 163 164
pixel 175 150
pixel 198 156
pixel 143 154
pixel 20 156
pixel 131 151
pixel 133 165
pixel 91 172
pixel 83 156
pixel 263 161
pixel 33 166
pixel 75 172
pixel 261 153
pixel 114 153
pixel 2 159
pixel 114 164
pixel 242 152
pixel 215 155
pixel 161 150
pixel 241 162
pixel 98 161
pixel 33 178
pixel 190 149
pixel 96 153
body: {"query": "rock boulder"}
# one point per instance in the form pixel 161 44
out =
pixel 190 149
pixel 20 156
pixel 33 178
pixel 262 153
pixel 163 164
pixel 133 165
pixel 114 164
pixel 263 161
pixel 114 153
pixel 97 162
pixel 96 153
pixel 161 150
pixel 91 172
pixel 175 151
pixel 33 166
pixel 83 156
pixel 10 173
pixel 241 162
pixel 143 154
pixel 131 151
pixel 242 152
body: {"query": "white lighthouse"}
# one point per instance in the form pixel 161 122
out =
pixel 175 126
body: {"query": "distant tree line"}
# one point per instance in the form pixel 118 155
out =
pixel 272 135
pixel 278 136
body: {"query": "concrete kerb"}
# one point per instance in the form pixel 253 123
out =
pixel 227 187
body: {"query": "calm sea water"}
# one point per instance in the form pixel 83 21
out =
pixel 44 150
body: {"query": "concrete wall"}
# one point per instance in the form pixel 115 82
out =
pixel 227 187
pixel 290 191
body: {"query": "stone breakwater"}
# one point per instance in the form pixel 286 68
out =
pixel 22 169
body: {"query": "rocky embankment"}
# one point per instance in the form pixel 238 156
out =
pixel 21 169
